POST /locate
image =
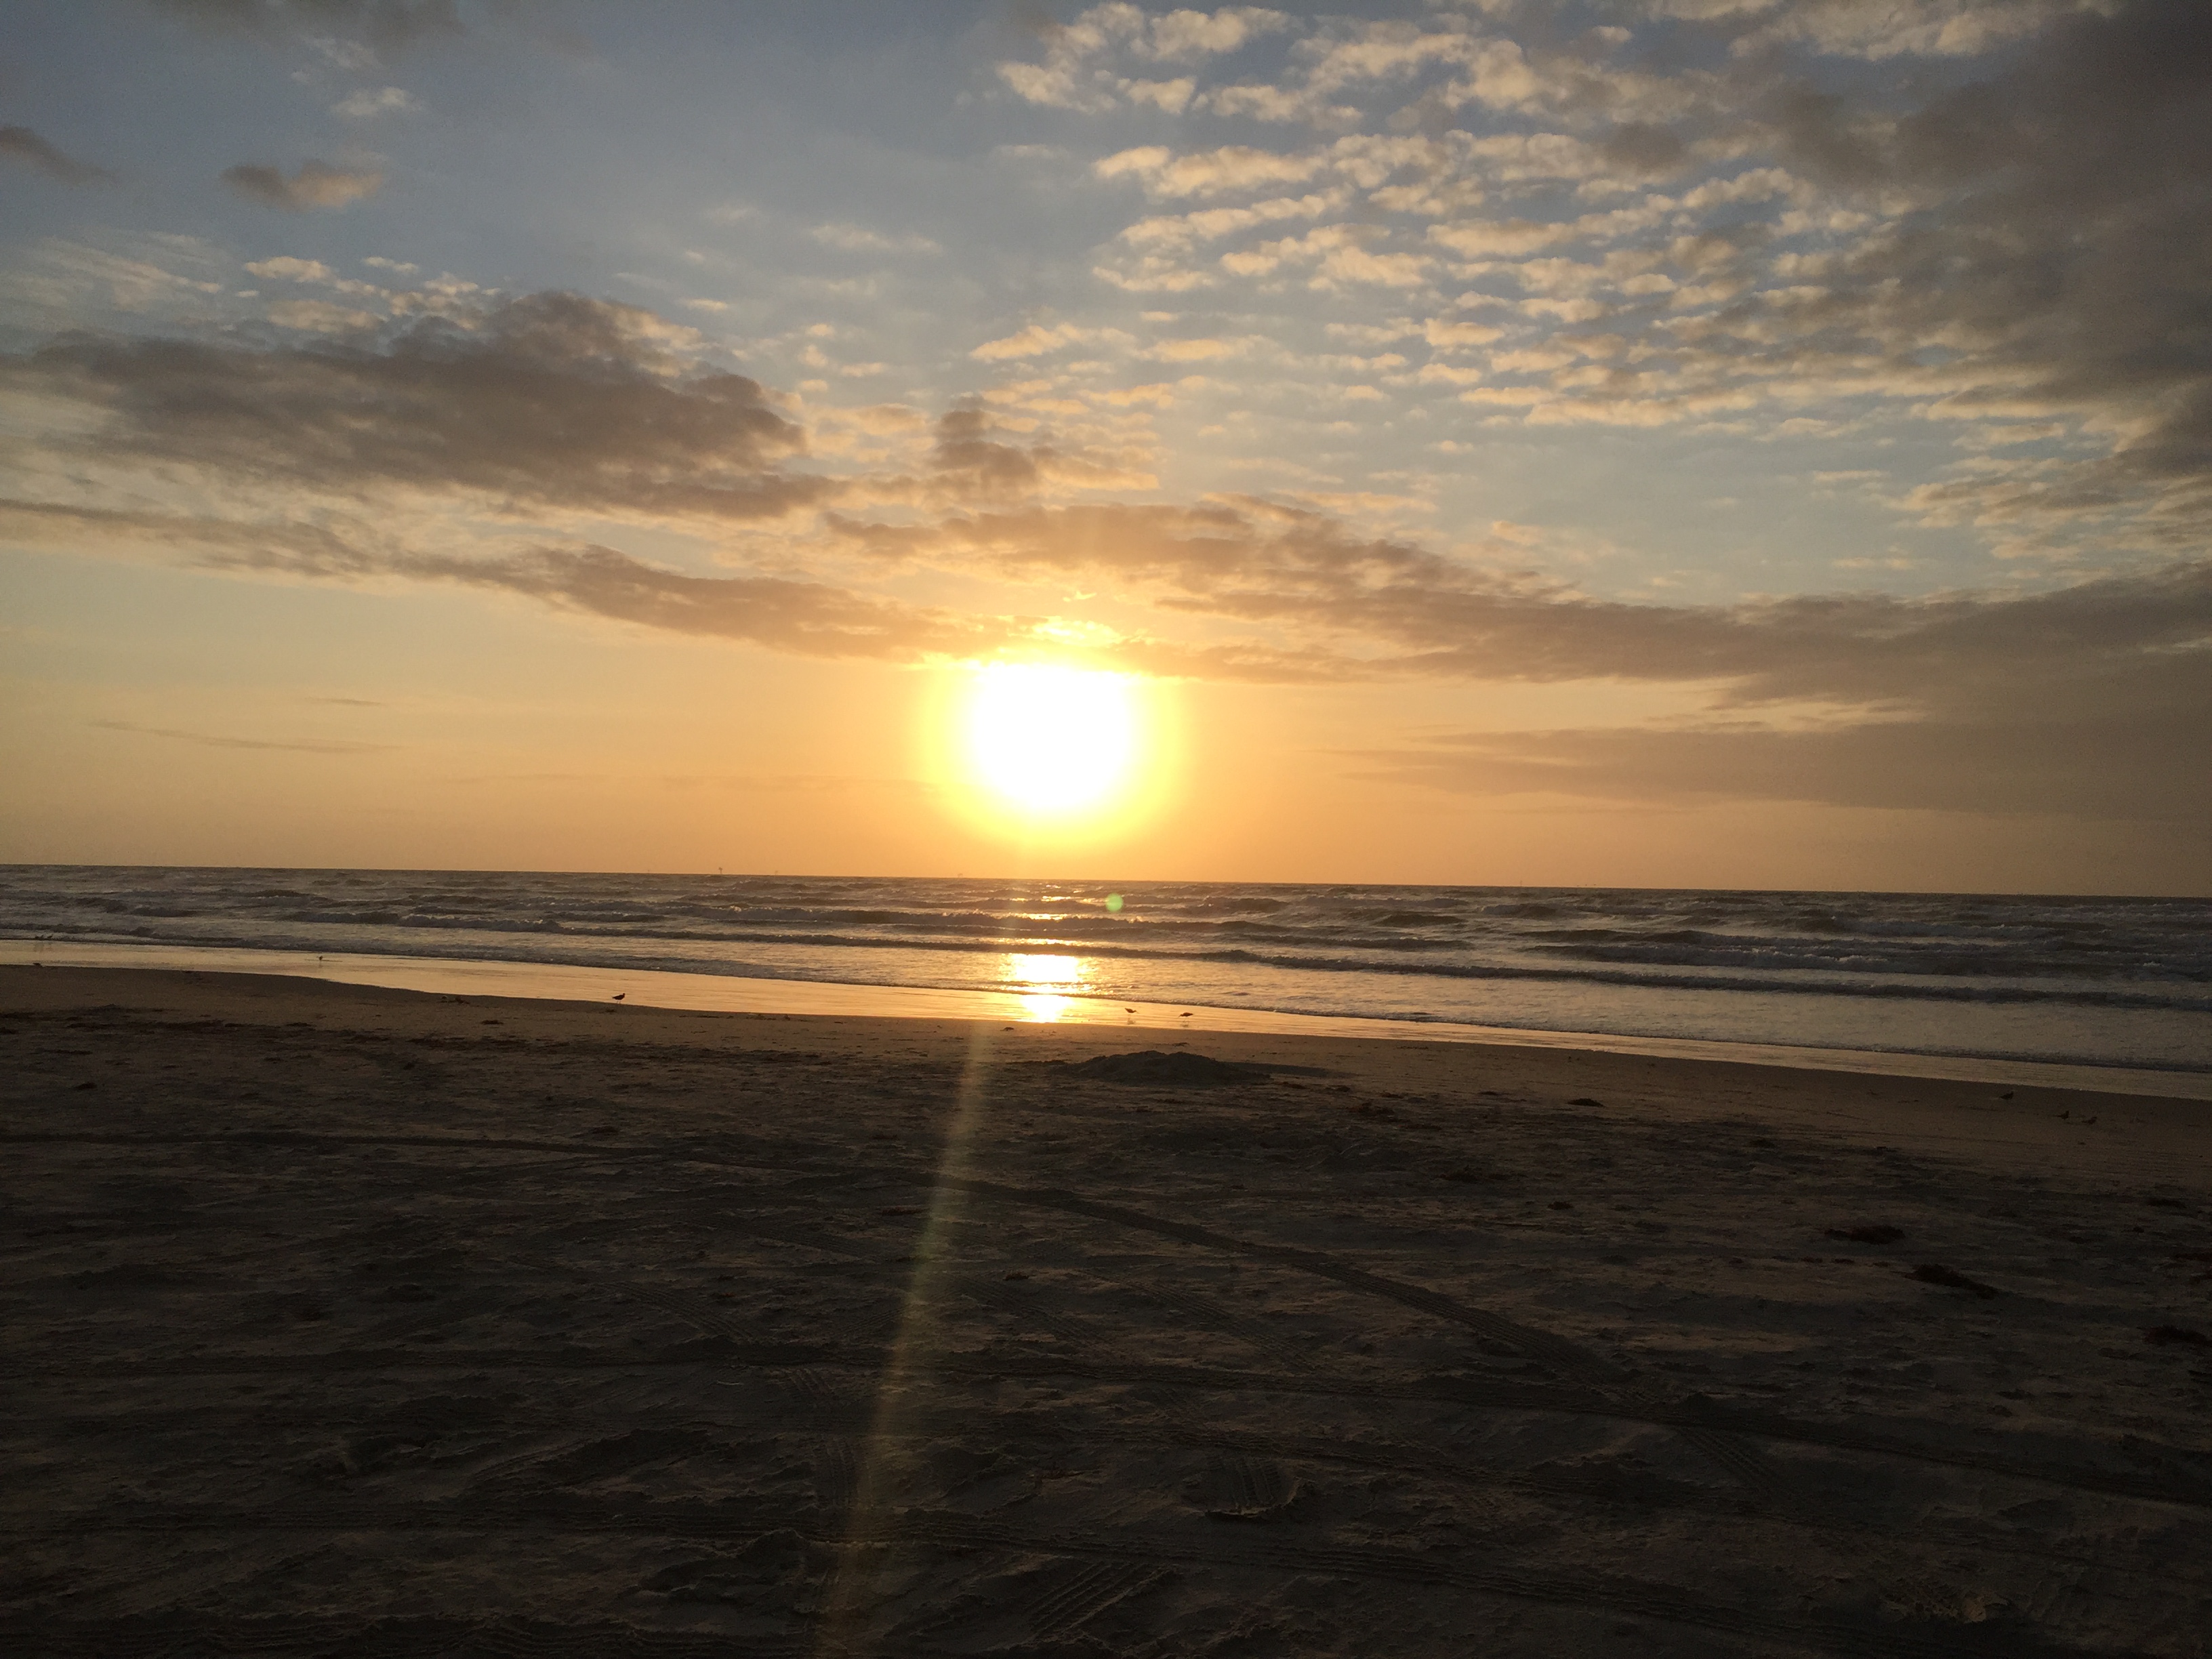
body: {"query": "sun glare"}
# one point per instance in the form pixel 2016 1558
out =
pixel 1051 742
pixel 1045 984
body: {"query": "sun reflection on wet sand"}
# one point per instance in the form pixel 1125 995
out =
pixel 1045 984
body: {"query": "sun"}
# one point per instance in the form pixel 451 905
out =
pixel 1051 742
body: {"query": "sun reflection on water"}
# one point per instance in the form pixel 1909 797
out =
pixel 1045 984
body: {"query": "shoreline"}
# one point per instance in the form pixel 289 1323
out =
pixel 733 994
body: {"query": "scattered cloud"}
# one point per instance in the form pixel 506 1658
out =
pixel 1039 339
pixel 859 239
pixel 21 144
pixel 289 269
pixel 1189 351
pixel 321 317
pixel 370 102
pixel 2017 244
pixel 62 280
pixel 1163 172
pixel 1188 34
pixel 316 185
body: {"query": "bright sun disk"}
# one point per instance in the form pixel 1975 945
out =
pixel 1052 742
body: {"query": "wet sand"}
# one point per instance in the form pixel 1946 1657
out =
pixel 356 1321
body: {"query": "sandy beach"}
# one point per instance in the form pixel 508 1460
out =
pixel 344 1319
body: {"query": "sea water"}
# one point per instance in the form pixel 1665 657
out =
pixel 2107 982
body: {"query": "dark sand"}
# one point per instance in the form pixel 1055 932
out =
pixel 354 1321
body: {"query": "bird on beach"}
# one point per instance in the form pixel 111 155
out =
pixel 619 996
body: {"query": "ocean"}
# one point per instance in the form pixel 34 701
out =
pixel 2096 981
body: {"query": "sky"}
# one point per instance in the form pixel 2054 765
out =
pixel 1718 443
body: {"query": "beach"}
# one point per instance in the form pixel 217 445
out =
pixel 346 1319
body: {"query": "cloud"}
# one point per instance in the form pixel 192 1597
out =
pixel 287 269
pixel 1340 254
pixel 554 402
pixel 2056 232
pixel 972 462
pixel 792 617
pixel 1443 334
pixel 1180 230
pixel 64 279
pixel 858 239
pixel 1895 28
pixel 316 185
pixel 370 102
pixel 547 401
pixel 1037 340
pixel 21 144
pixel 1189 351
pixel 803 618
pixel 2087 701
pixel 1206 173
pixel 1067 79
pixel 2022 238
pixel 1187 33
pixel 2128 768
pixel 1077 73
pixel 472 449
pixel 1171 96
pixel 1406 610
pixel 1376 51
pixel 321 317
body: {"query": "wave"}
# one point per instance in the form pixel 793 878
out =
pixel 1662 977
pixel 1442 942
pixel 2088 953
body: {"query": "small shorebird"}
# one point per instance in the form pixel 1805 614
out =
pixel 619 996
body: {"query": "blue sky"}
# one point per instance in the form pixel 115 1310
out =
pixel 1599 441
